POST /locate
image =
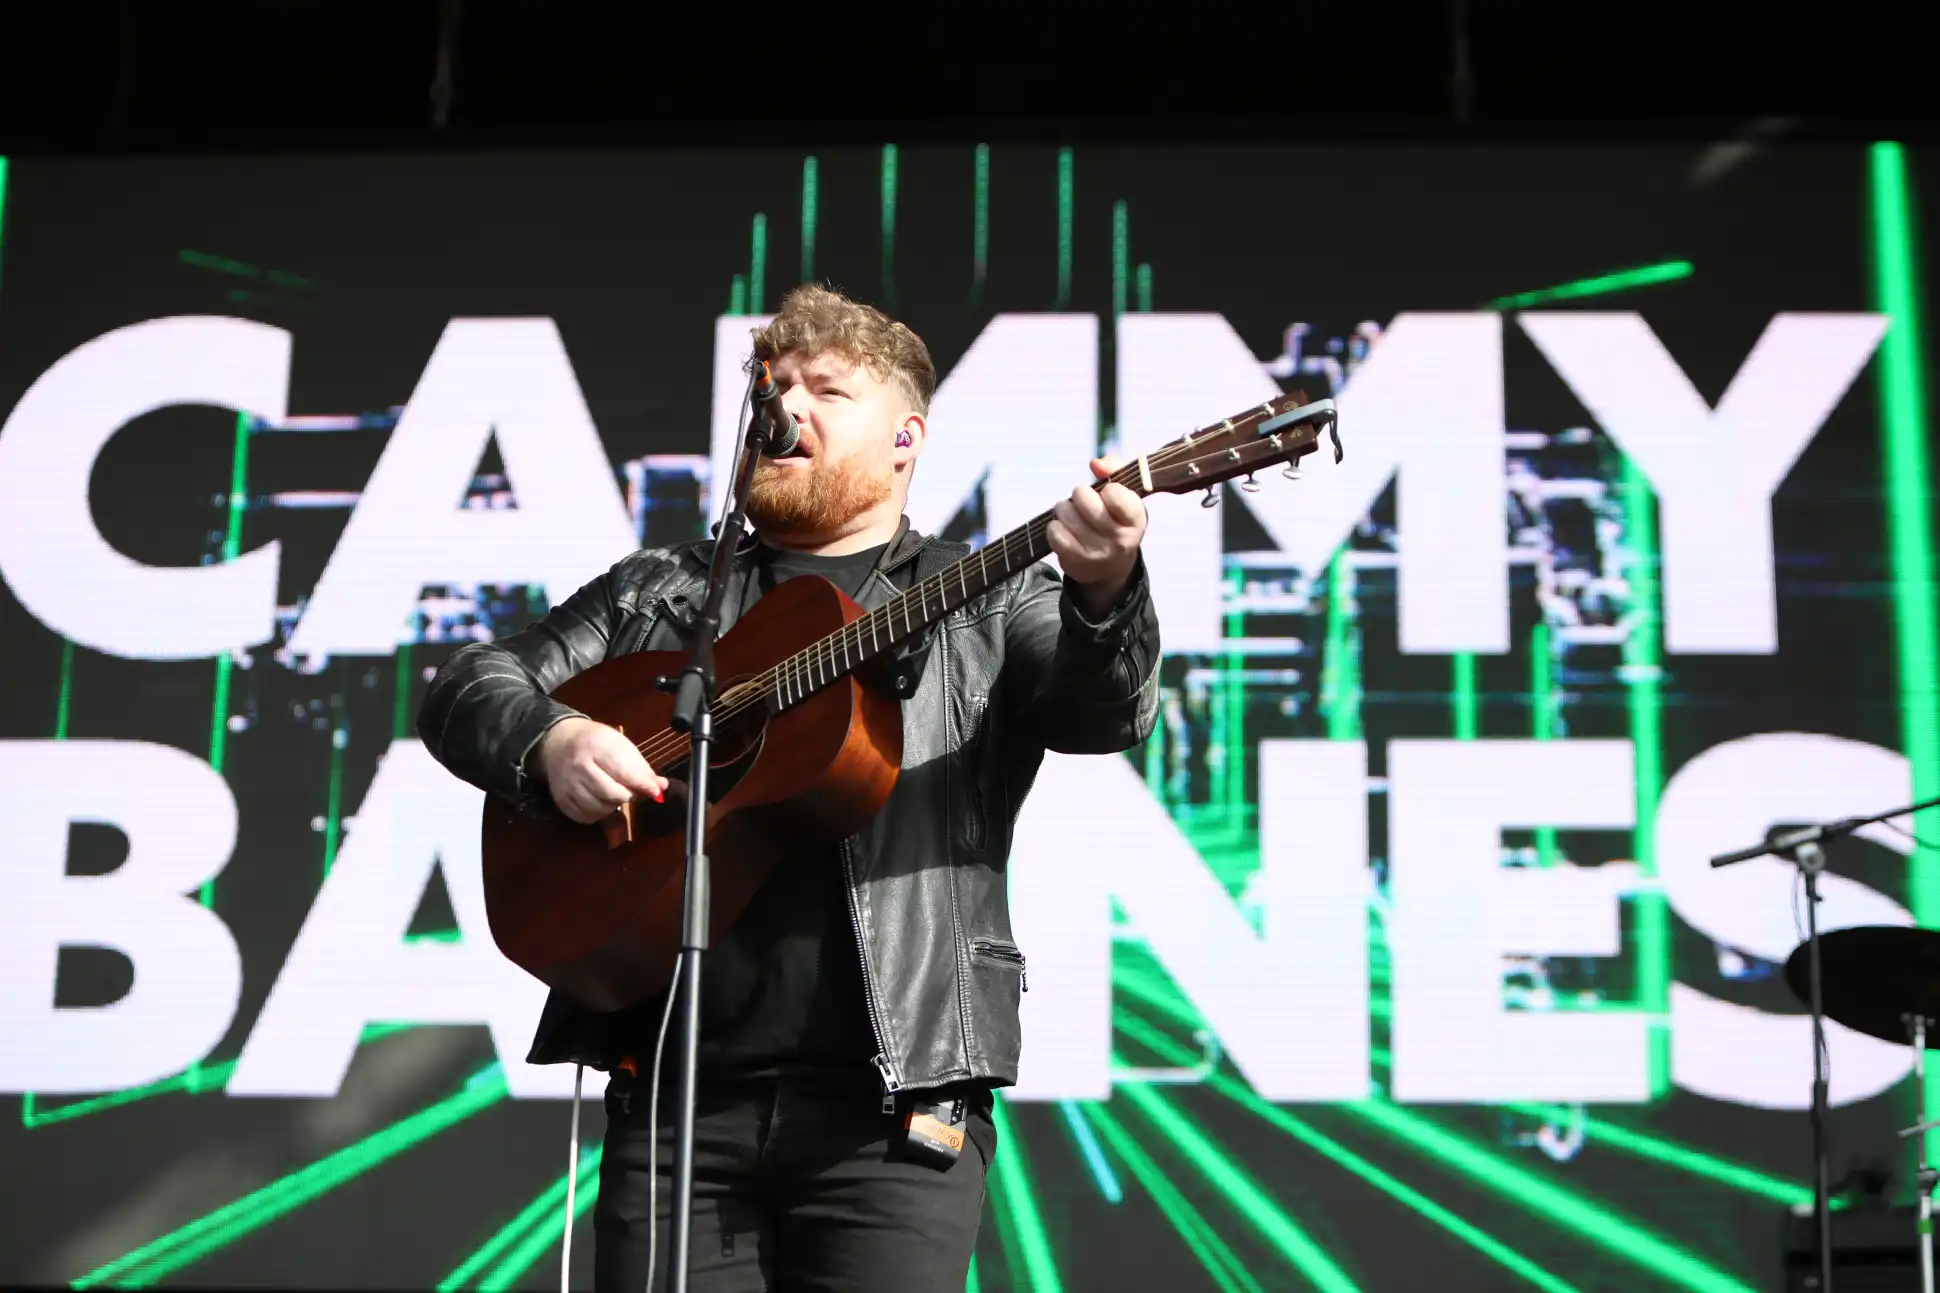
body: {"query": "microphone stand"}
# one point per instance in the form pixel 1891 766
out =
pixel 1803 849
pixel 694 693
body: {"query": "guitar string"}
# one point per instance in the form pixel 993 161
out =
pixel 799 674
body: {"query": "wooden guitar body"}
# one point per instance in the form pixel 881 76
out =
pixel 599 919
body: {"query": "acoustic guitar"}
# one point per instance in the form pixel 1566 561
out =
pixel 805 751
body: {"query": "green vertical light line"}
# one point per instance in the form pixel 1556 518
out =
pixel 971 1284
pixel 1018 1200
pixel 980 222
pixel 757 261
pixel 1903 432
pixel 889 224
pixel 1340 672
pixel 401 695
pixel 738 295
pixel 1245 1194
pixel 1542 719
pixel 1232 768
pixel 1643 671
pixel 1341 1156
pixel 1627 1240
pixel 1462 696
pixel 1067 208
pixel 1121 256
pixel 188 1244
pixel 1144 289
pixel 811 195
pixel 1218 1259
pixel 3 208
pixel 63 704
pixel 237 506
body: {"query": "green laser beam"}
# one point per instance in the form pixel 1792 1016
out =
pixel 1011 1182
pixel 64 702
pixel 1612 1135
pixel 1156 995
pixel 190 1243
pixel 1092 1153
pixel 194 1081
pixel 542 1238
pixel 530 1217
pixel 1625 1239
pixel 242 269
pixel 738 296
pixel 1482 1241
pixel 1241 1190
pixel 333 817
pixel 1908 489
pixel 1570 1211
pixel 1205 1243
pixel 1621 281
pixel 1144 289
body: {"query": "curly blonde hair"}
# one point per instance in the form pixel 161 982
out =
pixel 815 320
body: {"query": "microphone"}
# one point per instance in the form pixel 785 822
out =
pixel 774 422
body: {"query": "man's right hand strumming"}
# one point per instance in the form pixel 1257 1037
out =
pixel 592 769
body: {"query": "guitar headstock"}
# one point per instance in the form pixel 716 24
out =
pixel 1282 430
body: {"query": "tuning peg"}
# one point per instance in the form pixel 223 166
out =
pixel 1250 485
pixel 1291 472
pixel 1212 497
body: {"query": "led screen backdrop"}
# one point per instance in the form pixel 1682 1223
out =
pixel 1391 961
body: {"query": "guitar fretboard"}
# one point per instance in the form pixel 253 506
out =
pixel 896 621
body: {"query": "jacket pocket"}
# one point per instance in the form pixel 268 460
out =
pixel 995 951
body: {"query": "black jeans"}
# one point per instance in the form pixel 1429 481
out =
pixel 800 1184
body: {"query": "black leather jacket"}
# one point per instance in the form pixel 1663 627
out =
pixel 1015 672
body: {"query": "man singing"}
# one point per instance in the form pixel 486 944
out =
pixel 882 979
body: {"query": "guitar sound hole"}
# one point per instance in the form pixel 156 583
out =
pixel 736 742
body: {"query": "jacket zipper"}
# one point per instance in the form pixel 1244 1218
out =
pixel 991 950
pixel 884 1069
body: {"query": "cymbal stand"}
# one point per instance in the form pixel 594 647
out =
pixel 1927 1177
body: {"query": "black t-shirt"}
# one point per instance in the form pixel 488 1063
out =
pixel 782 989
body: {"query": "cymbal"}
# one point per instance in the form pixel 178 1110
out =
pixel 1870 976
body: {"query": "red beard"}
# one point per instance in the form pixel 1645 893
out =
pixel 819 501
